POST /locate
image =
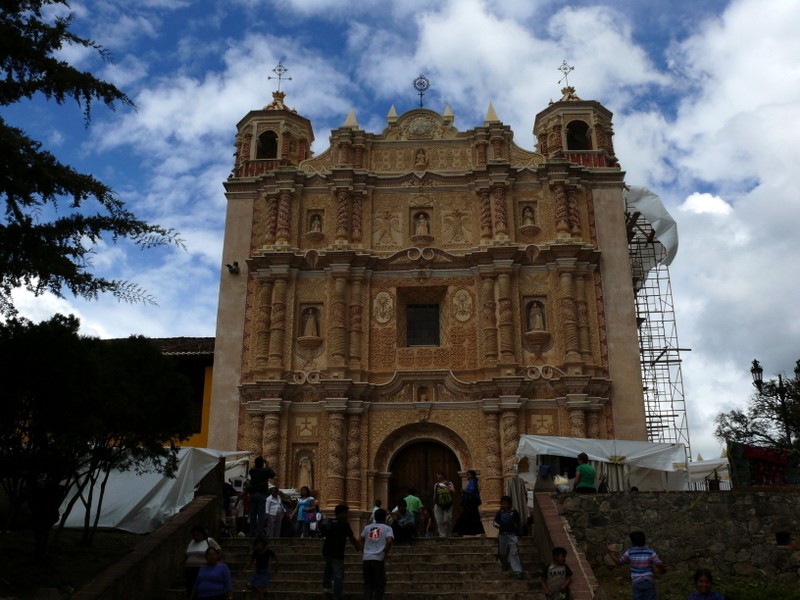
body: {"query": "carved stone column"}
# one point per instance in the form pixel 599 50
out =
pixel 334 493
pixel 593 424
pixel 568 315
pixel 272 218
pixel 262 324
pixel 584 338
pixel 510 435
pixel 577 422
pixel 574 215
pixel 489 318
pixel 357 217
pixel 278 325
pixel 353 486
pixel 500 216
pixel 342 215
pixel 482 147
pixel 355 324
pixel 284 216
pixel 486 217
pixel 271 437
pixel 506 325
pixel 358 156
pixel 562 210
pixel 253 435
pixel 338 322
pixel 492 473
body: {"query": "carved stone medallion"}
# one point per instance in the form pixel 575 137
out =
pixel 383 307
pixel 462 305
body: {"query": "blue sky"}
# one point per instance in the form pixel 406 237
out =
pixel 706 102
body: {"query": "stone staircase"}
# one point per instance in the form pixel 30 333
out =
pixel 429 569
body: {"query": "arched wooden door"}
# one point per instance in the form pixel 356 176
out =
pixel 416 466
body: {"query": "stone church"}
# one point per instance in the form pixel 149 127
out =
pixel 412 300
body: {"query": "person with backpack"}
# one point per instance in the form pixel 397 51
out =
pixel 336 533
pixel 443 494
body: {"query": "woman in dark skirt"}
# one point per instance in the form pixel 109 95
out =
pixel 469 522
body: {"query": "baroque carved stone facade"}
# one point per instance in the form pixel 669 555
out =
pixel 422 285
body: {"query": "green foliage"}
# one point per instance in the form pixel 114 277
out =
pixel 767 418
pixel 74 408
pixel 54 216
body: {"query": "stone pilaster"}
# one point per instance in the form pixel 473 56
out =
pixel 485 216
pixel 342 215
pixel 277 334
pixel 355 324
pixel 562 210
pixel 262 324
pixel 357 218
pixel 353 483
pixel 492 474
pixel 584 338
pixel 574 215
pixel 335 476
pixel 568 315
pixel 506 324
pixel 284 216
pixel 500 215
pixel 339 322
pixel 272 218
pixel 489 317
pixel 509 422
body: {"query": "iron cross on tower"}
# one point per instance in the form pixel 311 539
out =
pixel 421 84
pixel 280 70
pixel 566 70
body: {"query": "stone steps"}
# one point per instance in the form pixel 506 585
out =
pixel 428 569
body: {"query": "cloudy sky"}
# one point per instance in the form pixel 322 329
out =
pixel 706 103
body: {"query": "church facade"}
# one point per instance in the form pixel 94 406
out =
pixel 411 301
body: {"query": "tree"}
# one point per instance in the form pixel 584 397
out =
pixel 55 216
pixel 772 417
pixel 74 408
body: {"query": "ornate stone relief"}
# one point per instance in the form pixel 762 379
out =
pixel 383 307
pixel 306 427
pixel 386 229
pixel 456 226
pixel 543 424
pixel 462 305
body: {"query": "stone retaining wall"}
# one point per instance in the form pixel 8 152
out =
pixel 740 532
pixel 155 563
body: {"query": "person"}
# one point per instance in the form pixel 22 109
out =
pixel 213 579
pixel 584 475
pixel 644 564
pixel 427 524
pixel 274 512
pixel 260 475
pixel 404 524
pixel 703 581
pixel 469 521
pixel 336 534
pixel 507 521
pixel 375 508
pixel 413 504
pixel 557 577
pixel 261 557
pixel 443 492
pixel 196 555
pixel 303 511
pixel 376 539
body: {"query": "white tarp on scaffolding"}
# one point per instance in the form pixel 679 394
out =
pixel 642 200
pixel 142 503
pixel 649 466
pixel 709 469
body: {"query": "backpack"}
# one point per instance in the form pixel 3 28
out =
pixel 444 497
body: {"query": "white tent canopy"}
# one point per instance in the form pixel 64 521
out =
pixel 141 503
pixel 646 465
pixel 709 469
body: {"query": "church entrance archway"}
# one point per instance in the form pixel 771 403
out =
pixel 416 466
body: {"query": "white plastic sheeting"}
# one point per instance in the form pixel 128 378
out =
pixel 709 469
pixel 143 503
pixel 647 465
pixel 644 201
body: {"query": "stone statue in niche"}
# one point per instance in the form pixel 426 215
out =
pixel 305 472
pixel 310 323
pixel 536 316
pixel 316 224
pixel 420 159
pixel 423 225
pixel 527 216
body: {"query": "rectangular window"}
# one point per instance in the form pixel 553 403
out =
pixel 422 324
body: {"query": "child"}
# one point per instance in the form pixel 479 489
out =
pixel 703 582
pixel 428 526
pixel 644 564
pixel 507 520
pixel 261 557
pixel 557 578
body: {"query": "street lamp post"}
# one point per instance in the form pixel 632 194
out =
pixel 758 381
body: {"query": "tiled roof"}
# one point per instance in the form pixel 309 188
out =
pixel 185 345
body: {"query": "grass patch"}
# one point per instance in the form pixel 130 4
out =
pixel 70 565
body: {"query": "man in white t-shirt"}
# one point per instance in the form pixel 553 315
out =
pixel 377 540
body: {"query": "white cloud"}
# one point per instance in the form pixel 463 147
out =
pixel 705 203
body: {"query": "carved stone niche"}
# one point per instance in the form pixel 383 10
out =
pixel 315 223
pixel 421 227
pixel 536 338
pixel 527 219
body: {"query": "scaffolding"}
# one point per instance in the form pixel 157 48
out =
pixel 665 405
